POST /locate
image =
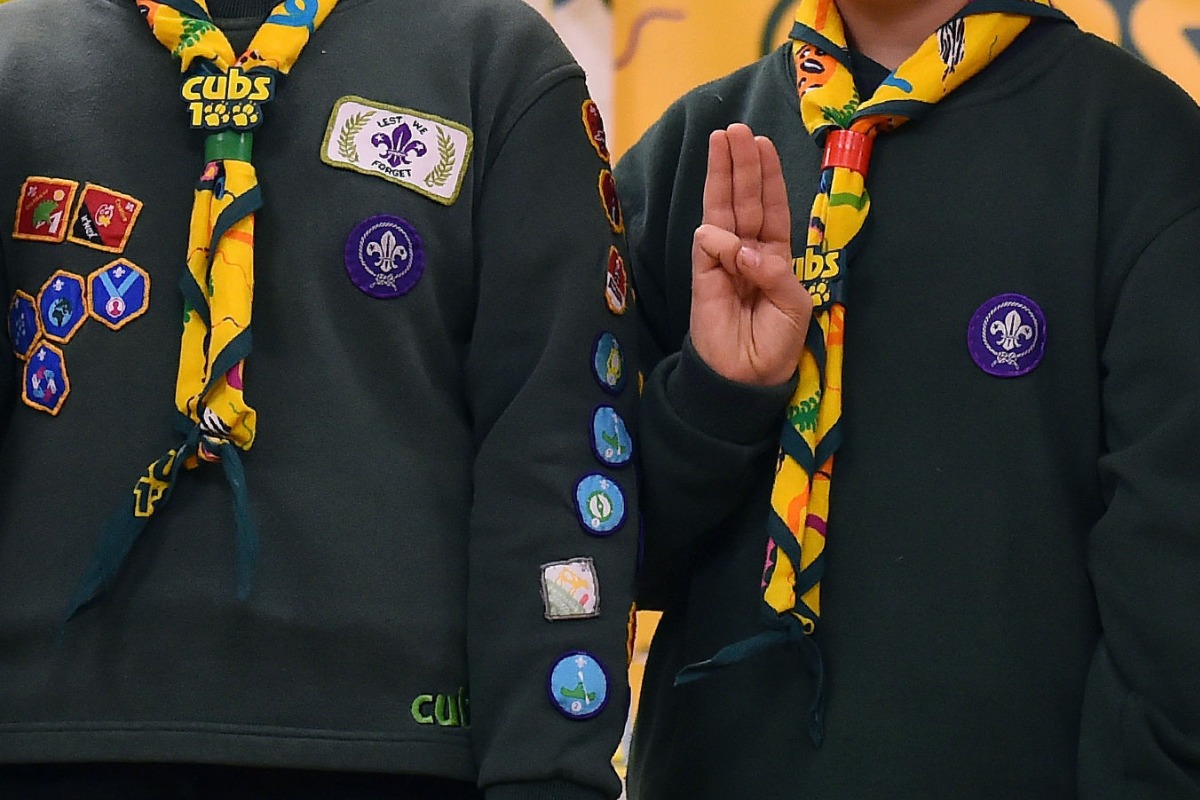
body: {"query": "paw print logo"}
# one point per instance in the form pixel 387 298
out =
pixel 216 115
pixel 820 293
pixel 245 115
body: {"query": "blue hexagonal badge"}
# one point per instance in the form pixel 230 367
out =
pixel 600 504
pixel 119 293
pixel 46 385
pixel 610 439
pixel 608 363
pixel 578 685
pixel 62 305
pixel 23 326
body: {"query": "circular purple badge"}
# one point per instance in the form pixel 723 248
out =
pixel 1007 336
pixel 384 256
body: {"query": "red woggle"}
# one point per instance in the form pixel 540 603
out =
pixel 849 149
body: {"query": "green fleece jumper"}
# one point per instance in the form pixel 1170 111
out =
pixel 1012 577
pixel 445 531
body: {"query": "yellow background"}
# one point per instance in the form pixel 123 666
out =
pixel 665 47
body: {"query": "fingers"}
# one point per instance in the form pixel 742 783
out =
pixel 747 181
pixel 777 217
pixel 744 191
pixel 718 183
pixel 772 275
pixel 715 247
pixel 753 268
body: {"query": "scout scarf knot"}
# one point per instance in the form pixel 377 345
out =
pixel 224 96
pixel 846 126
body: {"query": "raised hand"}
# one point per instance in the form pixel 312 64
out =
pixel 749 313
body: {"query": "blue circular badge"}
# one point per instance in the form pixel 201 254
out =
pixel 23 328
pixel 1007 336
pixel 608 363
pixel 600 504
pixel 578 685
pixel 384 256
pixel 610 438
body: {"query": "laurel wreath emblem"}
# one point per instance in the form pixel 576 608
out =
pixel 351 128
pixel 445 167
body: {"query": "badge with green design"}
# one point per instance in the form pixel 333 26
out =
pixel 419 151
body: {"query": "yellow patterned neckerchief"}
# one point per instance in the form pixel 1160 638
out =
pixel 224 97
pixel 845 126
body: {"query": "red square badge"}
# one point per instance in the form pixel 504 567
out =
pixel 104 219
pixel 44 208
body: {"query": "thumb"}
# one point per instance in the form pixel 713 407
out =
pixel 772 275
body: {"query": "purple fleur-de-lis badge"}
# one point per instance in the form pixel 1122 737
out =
pixel 1007 336
pixel 384 256
pixel 398 146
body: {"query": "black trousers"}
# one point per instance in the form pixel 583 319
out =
pixel 212 782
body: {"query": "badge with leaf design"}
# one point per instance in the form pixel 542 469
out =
pixel 419 151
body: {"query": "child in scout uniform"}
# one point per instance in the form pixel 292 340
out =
pixel 941 539
pixel 315 433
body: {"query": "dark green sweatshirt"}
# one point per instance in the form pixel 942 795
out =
pixel 1012 570
pixel 439 512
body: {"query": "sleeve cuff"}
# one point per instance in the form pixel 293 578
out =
pixel 725 409
pixel 544 790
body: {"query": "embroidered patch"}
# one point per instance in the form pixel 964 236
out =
pixel 384 256
pixel 23 324
pixel 103 219
pixel 119 293
pixel 1007 336
pixel 62 305
pixel 570 589
pixel 578 685
pixel 595 129
pixel 600 504
pixel 416 150
pixel 616 286
pixel 612 204
pixel 608 363
pixel 46 385
pixel 44 208
pixel 610 439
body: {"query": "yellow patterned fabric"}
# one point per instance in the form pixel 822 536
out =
pixel 224 96
pixel 846 125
